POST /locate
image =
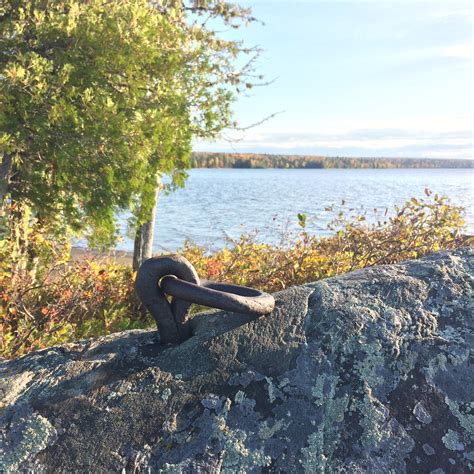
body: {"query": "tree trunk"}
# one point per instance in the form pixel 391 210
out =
pixel 143 246
pixel 5 174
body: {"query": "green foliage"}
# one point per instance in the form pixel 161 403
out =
pixel 98 97
pixel 88 298
pixel 302 220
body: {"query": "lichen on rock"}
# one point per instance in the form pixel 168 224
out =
pixel 29 433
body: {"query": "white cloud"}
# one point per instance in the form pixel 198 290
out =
pixel 456 10
pixel 459 51
pixel 415 137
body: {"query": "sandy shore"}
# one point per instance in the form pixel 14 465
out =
pixel 117 256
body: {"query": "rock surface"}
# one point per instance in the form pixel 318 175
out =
pixel 368 372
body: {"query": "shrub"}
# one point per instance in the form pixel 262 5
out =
pixel 417 228
pixel 71 301
pixel 63 301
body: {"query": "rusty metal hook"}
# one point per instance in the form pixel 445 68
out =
pixel 174 275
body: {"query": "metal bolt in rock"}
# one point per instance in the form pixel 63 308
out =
pixel 175 276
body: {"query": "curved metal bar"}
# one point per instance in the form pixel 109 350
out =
pixel 238 299
pixel 170 319
pixel 175 276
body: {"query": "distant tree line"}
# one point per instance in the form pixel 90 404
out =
pixel 254 160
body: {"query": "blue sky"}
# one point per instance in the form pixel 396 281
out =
pixel 359 78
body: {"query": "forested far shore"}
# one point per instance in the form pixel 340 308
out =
pixel 256 160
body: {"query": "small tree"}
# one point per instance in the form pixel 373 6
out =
pixel 100 98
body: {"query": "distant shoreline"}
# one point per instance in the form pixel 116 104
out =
pixel 266 160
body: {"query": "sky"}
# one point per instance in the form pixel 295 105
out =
pixel 359 78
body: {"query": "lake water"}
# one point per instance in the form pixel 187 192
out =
pixel 220 203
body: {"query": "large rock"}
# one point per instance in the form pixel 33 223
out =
pixel 368 372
